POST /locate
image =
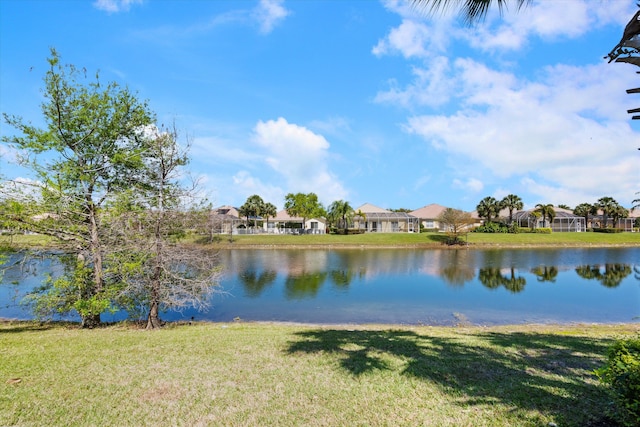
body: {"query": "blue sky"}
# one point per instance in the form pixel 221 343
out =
pixel 367 101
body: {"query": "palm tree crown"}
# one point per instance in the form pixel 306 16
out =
pixel 471 10
pixel 488 208
pixel 546 211
pixel 342 213
pixel 512 202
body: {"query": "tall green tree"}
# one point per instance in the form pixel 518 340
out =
pixel 488 208
pixel 585 210
pixel 546 212
pixel 511 202
pixel 304 206
pixel 342 213
pixel 607 205
pixel 90 150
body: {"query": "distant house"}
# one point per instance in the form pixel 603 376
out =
pixel 283 223
pixel 565 220
pixel 225 220
pixel 378 220
pixel 428 216
pixel 626 224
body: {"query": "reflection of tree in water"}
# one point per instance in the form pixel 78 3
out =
pixel 545 273
pixel 636 271
pixel 493 278
pixel 611 277
pixel 304 285
pixel 457 270
pixel 513 283
pixel 255 283
pixel 342 278
pixel 490 277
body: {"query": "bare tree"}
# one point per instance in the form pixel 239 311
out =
pixel 155 270
pixel 456 223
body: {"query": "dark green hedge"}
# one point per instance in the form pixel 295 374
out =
pixel 622 374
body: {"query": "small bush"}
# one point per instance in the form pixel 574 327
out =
pixel 543 230
pixel 622 374
pixel 608 230
pixel 492 227
pixel 453 240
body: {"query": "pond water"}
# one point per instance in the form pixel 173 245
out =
pixel 436 287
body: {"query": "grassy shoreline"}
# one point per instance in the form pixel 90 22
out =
pixel 255 374
pixel 383 240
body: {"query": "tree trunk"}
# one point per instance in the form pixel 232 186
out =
pixel 153 320
pixel 91 321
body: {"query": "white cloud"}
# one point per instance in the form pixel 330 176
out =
pixel 115 6
pixel 547 20
pixel 246 185
pixel 408 39
pixel 431 86
pixel 300 157
pixel 568 132
pixel 472 184
pixel 269 13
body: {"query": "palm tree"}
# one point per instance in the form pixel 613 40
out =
pixel 607 205
pixel 269 211
pixel 584 210
pixel 488 208
pixel 511 202
pixel 546 211
pixel 245 211
pixel 636 202
pixel 341 210
pixel 618 213
pixel 471 10
pixel 534 215
pixel 255 205
pixel 362 215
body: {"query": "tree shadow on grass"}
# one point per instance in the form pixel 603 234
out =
pixel 440 238
pixel 18 326
pixel 545 373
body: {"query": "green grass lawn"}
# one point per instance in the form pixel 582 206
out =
pixel 291 375
pixel 422 240
pixel 435 240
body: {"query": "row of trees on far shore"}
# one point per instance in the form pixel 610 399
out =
pixel 489 208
